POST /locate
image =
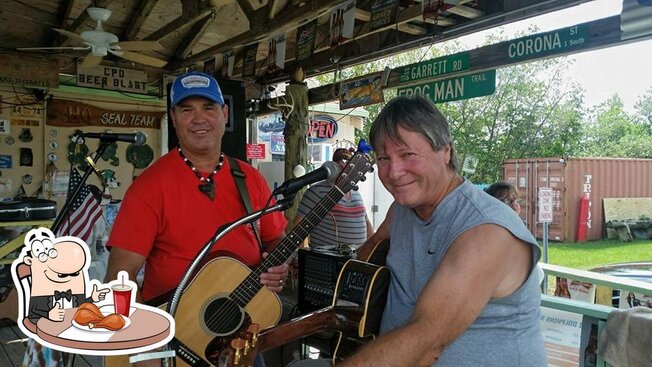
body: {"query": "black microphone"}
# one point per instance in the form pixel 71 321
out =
pixel 136 138
pixel 328 170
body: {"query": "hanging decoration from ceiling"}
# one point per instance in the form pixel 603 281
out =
pixel 361 91
pixel 249 60
pixel 305 44
pixel 228 60
pixel 276 55
pixel 342 22
pixel 383 13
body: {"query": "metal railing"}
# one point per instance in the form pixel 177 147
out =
pixel 596 311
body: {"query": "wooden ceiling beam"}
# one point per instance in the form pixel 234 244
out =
pixel 271 8
pixel 465 11
pixel 291 18
pixel 177 24
pixel 84 17
pixel 66 9
pixel 193 36
pixel 257 18
pixel 138 18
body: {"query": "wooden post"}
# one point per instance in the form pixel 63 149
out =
pixel 296 129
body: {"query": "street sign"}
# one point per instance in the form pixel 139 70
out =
pixel 548 43
pixel 454 89
pixel 433 68
pixel 545 205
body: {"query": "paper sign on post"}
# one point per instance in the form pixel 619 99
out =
pixel 545 205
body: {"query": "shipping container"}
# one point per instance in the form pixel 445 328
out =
pixel 571 179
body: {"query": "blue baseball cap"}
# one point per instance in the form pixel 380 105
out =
pixel 193 84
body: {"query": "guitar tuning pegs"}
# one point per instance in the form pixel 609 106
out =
pixel 238 345
pixel 363 178
pixel 254 329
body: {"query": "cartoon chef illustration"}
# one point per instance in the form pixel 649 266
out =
pixel 59 268
pixel 61 308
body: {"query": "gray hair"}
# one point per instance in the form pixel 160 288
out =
pixel 416 114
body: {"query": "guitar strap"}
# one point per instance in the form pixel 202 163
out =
pixel 239 178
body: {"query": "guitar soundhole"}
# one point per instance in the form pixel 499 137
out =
pixel 223 316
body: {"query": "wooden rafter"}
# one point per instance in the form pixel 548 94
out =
pixel 466 11
pixel 285 21
pixel 271 9
pixel 193 36
pixel 257 18
pixel 84 17
pixel 138 18
pixel 178 23
pixel 66 9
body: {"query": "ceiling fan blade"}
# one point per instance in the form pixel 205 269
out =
pixel 141 59
pixel 139 45
pixel 70 34
pixel 91 61
pixel 53 48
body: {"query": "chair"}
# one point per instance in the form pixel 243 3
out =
pixel 24 276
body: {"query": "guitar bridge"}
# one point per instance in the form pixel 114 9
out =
pixel 187 355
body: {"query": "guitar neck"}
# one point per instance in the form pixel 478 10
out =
pixel 358 165
pixel 251 284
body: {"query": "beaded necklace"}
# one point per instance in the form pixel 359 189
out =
pixel 206 185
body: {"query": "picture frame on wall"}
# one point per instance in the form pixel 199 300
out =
pixel 228 101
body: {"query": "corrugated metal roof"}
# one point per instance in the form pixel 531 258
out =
pixel 635 19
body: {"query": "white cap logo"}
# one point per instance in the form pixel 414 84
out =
pixel 195 81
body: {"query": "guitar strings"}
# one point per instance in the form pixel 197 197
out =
pixel 251 285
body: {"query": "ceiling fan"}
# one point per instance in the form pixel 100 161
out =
pixel 101 43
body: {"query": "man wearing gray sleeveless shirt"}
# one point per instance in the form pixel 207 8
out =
pixel 463 291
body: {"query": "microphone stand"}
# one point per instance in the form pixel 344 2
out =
pixel 58 221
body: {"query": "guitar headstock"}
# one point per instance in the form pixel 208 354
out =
pixel 355 170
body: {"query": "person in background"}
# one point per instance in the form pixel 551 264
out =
pixel 346 226
pixel 463 289
pixel 176 205
pixel 632 301
pixel 505 192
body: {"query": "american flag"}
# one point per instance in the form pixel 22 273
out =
pixel 84 211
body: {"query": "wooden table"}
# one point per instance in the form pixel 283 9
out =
pixel 146 328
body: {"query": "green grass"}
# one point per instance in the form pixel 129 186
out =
pixel 588 255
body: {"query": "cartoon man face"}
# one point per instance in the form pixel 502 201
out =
pixel 56 266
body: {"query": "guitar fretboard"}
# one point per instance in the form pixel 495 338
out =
pixel 250 286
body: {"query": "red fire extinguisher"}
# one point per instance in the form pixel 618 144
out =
pixel 582 222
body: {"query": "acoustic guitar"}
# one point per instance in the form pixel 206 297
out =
pixel 225 296
pixel 358 304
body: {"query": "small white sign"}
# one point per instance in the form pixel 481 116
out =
pixel 112 78
pixel 545 205
pixel 5 127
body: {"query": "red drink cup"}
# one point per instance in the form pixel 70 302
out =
pixel 122 298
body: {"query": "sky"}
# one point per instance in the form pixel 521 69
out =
pixel 622 69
